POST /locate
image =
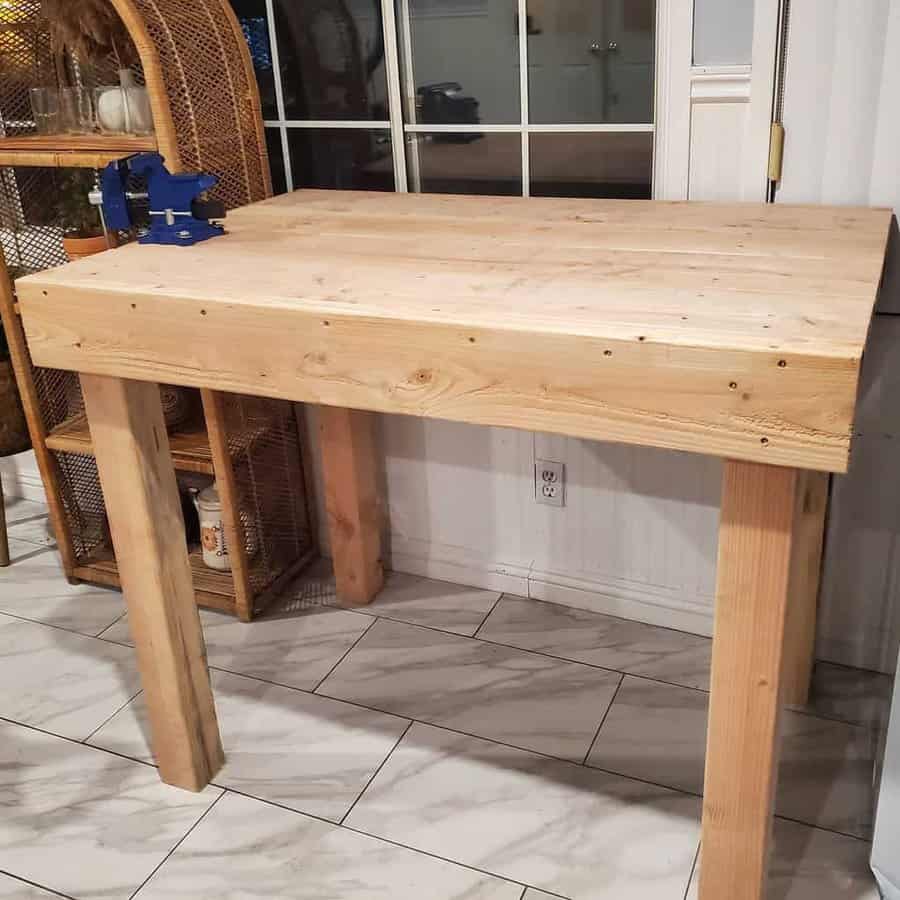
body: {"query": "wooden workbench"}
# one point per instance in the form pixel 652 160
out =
pixel 735 331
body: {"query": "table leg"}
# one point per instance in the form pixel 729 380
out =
pixel 761 514
pixel 138 481
pixel 351 502
pixel 803 589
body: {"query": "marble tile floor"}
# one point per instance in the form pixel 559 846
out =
pixel 446 743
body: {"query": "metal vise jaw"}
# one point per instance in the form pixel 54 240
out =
pixel 178 213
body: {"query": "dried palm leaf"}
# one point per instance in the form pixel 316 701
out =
pixel 91 29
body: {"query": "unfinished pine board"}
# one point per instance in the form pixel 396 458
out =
pixel 803 588
pixel 350 475
pixel 132 451
pixel 760 516
pixel 732 330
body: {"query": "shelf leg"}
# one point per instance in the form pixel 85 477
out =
pixel 138 481
pixel 351 502
pixel 762 514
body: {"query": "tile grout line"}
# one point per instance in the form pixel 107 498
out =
pixel 687 887
pixel 178 843
pixel 110 718
pixel 36 884
pixel 93 637
pixel 381 765
pixel 584 762
pixel 106 628
pixel 487 616
pixel 344 655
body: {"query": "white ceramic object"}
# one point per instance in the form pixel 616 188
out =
pixel 212 529
pixel 124 108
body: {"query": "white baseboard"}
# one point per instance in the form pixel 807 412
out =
pixel 21 477
pixel 625 599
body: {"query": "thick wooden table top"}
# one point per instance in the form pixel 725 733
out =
pixel 732 330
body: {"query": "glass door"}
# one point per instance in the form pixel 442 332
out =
pixel 533 97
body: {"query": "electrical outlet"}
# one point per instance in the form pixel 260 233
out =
pixel 550 482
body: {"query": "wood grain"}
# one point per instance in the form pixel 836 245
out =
pixel 733 330
pixel 760 516
pixel 803 588
pixel 138 481
pixel 349 472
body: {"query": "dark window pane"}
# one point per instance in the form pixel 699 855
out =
pixel 332 59
pixel 466 163
pixel 591 165
pixel 465 61
pixel 591 61
pixel 341 158
pixel 276 160
pixel 252 17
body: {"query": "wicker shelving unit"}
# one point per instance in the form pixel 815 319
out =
pixel 196 67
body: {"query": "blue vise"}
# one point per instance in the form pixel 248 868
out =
pixel 180 212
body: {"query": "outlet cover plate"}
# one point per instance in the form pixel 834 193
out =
pixel 550 482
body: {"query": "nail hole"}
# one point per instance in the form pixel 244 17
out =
pixel 326 323
pixel 641 337
pixel 764 440
pixel 607 352
pixel 471 340
pixel 782 363
pixel 44 293
pixel 202 312
pixel 78 344
pixel 134 305
pixel 732 385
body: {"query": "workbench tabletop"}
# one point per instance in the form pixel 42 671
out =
pixel 735 330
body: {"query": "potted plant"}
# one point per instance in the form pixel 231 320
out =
pixel 82 229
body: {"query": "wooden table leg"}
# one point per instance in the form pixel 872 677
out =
pixel 4 540
pixel 138 481
pixel 762 510
pixel 351 502
pixel 803 589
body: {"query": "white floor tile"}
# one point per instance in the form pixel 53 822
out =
pixel 27 520
pixel 297 649
pixel 35 587
pixel 810 864
pixel 546 823
pixel 245 849
pixel 658 732
pixel 600 640
pixel 84 822
pixel 62 682
pixel 299 750
pixel 524 699
pixel 437 604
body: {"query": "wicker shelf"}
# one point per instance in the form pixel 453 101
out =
pixel 78 150
pixel 189 443
pixel 194 62
pixel 212 589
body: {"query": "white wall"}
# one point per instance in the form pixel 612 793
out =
pixel 842 120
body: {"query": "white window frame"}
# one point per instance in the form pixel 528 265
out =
pixel 671 128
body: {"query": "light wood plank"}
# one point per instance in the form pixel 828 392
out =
pixel 734 330
pixel 760 516
pixel 138 481
pixel 228 492
pixel 803 590
pixel 352 502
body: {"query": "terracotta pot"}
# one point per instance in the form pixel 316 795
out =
pixel 76 247
pixel 13 427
